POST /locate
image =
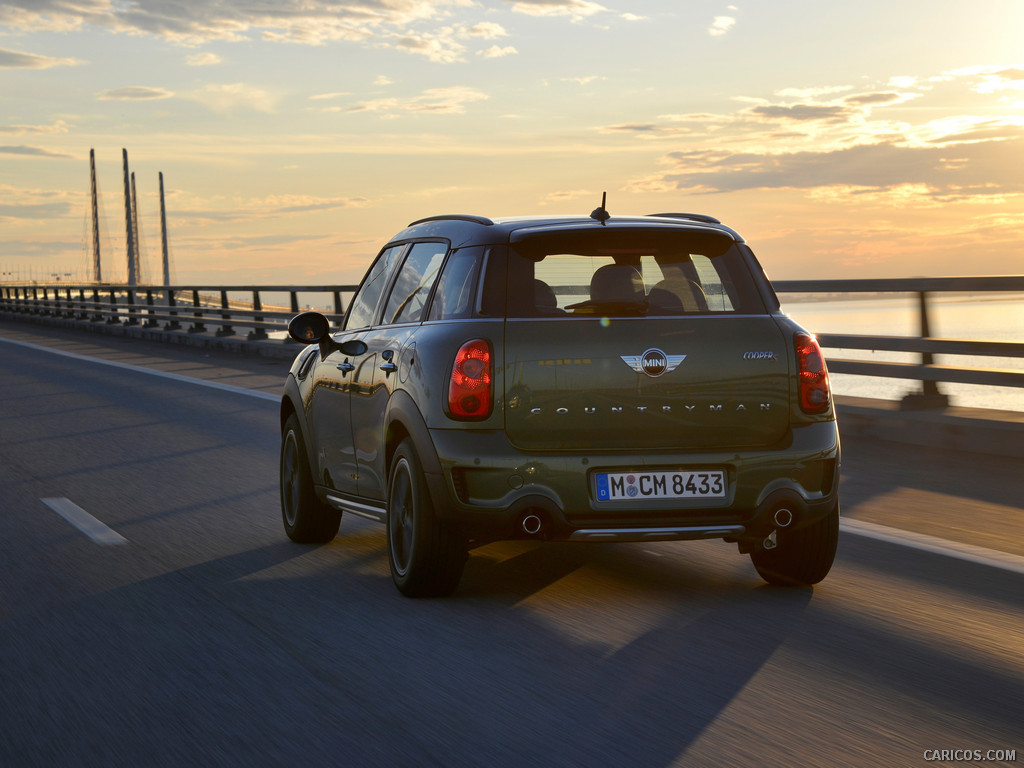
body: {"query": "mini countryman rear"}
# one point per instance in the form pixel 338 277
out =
pixel 591 379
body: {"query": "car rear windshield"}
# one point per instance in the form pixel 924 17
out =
pixel 628 272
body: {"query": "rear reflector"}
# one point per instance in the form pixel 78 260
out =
pixel 814 393
pixel 469 389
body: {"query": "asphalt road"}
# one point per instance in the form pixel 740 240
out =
pixel 200 636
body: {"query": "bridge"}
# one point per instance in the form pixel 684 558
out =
pixel 153 612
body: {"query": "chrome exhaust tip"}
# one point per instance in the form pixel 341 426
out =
pixel 783 517
pixel 531 524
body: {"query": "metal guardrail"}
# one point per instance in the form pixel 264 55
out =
pixel 193 308
pixel 174 308
pixel 926 371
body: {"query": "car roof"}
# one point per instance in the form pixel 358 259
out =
pixel 463 229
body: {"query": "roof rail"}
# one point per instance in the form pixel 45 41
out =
pixel 691 216
pixel 456 217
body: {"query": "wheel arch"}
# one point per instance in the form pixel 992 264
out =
pixel 291 406
pixel 403 420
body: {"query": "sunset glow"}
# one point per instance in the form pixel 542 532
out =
pixel 843 140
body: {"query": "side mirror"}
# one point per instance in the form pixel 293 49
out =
pixel 309 328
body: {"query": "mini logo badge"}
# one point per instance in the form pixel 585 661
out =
pixel 653 362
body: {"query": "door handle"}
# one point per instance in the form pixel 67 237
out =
pixel 346 367
pixel 388 367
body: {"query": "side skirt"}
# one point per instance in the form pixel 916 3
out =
pixel 370 512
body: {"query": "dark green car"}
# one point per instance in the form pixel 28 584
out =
pixel 565 378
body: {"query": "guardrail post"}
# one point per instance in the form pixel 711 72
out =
pixel 151 321
pixel 97 313
pixel 132 319
pixel 83 313
pixel 173 325
pixel 225 329
pixel 257 333
pixel 929 396
pixel 112 320
pixel 197 324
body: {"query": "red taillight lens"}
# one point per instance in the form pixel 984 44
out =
pixel 469 390
pixel 813 376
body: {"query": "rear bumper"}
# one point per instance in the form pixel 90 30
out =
pixel 496 492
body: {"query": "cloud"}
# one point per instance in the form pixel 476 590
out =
pixel 203 59
pixel 488 30
pixel 974 169
pixel 435 101
pixel 870 99
pixel 134 93
pixel 632 128
pixel 440 46
pixel 18 60
pixel 836 141
pixel 43 212
pixel 566 195
pixel 800 112
pixel 812 93
pixel 260 209
pixel 577 9
pixel 234 96
pixel 25 151
pixel 19 130
pixel 383 80
pixel 721 25
pixel 497 52
pixel 306 22
pixel 21 203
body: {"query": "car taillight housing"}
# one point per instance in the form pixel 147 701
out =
pixel 469 389
pixel 814 394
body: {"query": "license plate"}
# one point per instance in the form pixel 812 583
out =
pixel 679 484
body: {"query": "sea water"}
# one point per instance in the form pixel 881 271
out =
pixel 990 317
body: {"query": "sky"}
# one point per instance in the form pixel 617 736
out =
pixel 295 137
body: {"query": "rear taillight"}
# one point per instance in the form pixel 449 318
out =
pixel 469 390
pixel 813 376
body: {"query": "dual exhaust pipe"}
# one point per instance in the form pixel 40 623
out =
pixel 533 521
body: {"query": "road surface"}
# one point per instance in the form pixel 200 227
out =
pixel 153 613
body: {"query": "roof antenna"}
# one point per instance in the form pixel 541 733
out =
pixel 601 214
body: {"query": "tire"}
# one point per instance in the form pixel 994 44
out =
pixel 802 556
pixel 426 558
pixel 306 519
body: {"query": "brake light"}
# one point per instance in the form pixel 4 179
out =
pixel 813 375
pixel 469 389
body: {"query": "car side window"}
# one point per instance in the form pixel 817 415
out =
pixel 364 303
pixel 408 300
pixel 454 293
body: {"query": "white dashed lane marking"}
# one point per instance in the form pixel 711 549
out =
pixel 84 522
